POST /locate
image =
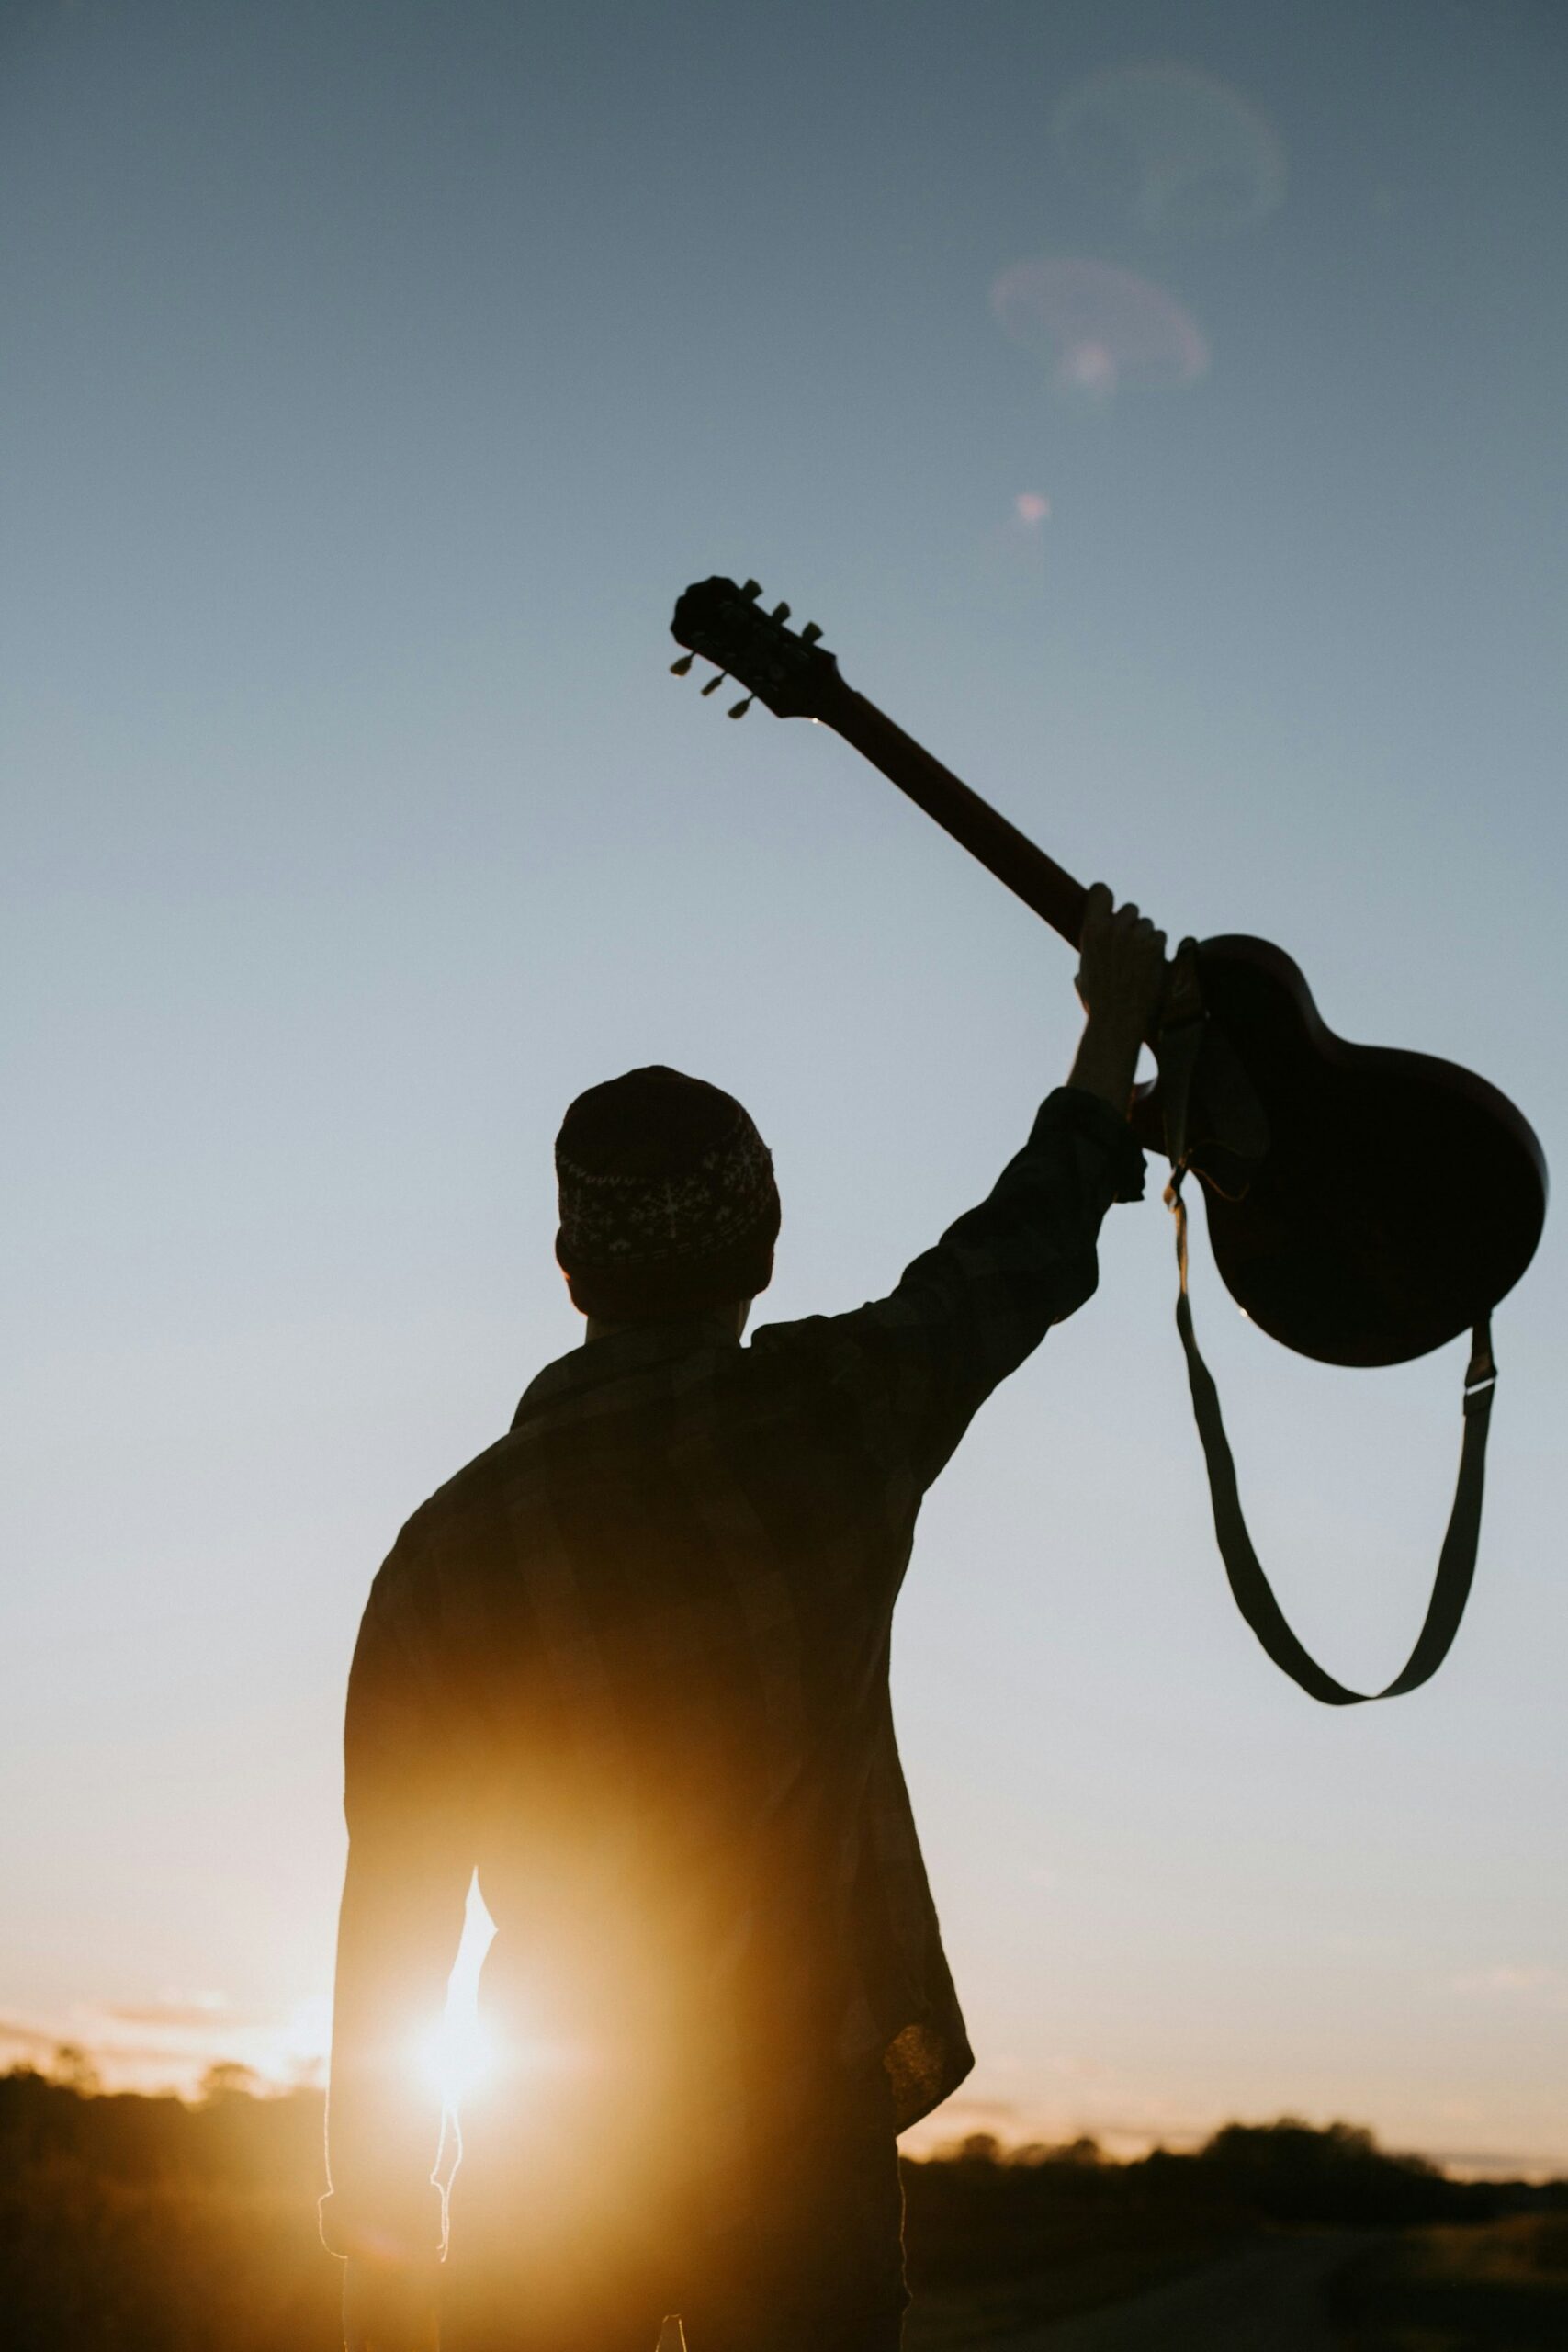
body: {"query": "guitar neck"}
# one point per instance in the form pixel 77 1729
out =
pixel 1010 856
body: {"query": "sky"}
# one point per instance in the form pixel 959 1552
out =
pixel 1161 410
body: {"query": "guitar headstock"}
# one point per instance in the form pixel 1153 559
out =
pixel 781 667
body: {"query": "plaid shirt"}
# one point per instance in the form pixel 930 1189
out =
pixel 632 1665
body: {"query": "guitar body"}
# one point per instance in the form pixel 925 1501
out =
pixel 1365 1205
pixel 1398 1196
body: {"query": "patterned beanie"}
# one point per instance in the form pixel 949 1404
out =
pixel 668 1204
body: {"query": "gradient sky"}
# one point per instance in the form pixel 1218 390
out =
pixel 377 374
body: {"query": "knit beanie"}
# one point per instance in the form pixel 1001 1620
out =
pixel 668 1204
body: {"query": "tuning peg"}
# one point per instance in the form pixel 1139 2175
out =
pixel 679 669
pixel 753 588
pixel 780 612
pixel 715 682
pixel 810 633
pixel 740 709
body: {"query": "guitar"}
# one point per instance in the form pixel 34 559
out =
pixel 1364 1204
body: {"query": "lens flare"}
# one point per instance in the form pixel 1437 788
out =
pixel 1176 153
pixel 1100 328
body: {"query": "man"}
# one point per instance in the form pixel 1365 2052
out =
pixel 632 1665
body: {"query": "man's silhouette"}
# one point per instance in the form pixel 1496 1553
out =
pixel 632 1665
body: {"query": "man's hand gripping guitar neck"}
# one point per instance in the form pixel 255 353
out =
pixel 1127 989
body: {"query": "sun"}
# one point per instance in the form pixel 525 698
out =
pixel 455 2055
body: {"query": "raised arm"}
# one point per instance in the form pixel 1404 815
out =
pixel 914 1367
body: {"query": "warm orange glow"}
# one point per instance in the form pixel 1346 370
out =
pixel 455 2055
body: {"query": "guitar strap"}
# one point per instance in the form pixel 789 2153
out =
pixel 1254 1597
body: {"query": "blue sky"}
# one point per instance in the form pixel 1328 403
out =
pixel 378 377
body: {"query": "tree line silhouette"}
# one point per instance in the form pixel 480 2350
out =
pixel 154 2224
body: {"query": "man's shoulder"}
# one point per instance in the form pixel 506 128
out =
pixel 470 1495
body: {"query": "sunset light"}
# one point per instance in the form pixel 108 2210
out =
pixel 630 1641
pixel 457 2055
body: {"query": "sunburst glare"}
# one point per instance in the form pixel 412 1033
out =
pixel 457 2055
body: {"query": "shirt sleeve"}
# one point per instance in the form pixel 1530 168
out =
pixel 411 1857
pixel 916 1366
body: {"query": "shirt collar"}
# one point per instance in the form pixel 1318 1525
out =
pixel 616 1356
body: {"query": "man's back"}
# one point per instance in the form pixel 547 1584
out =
pixel 650 1631
pixel 632 1665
